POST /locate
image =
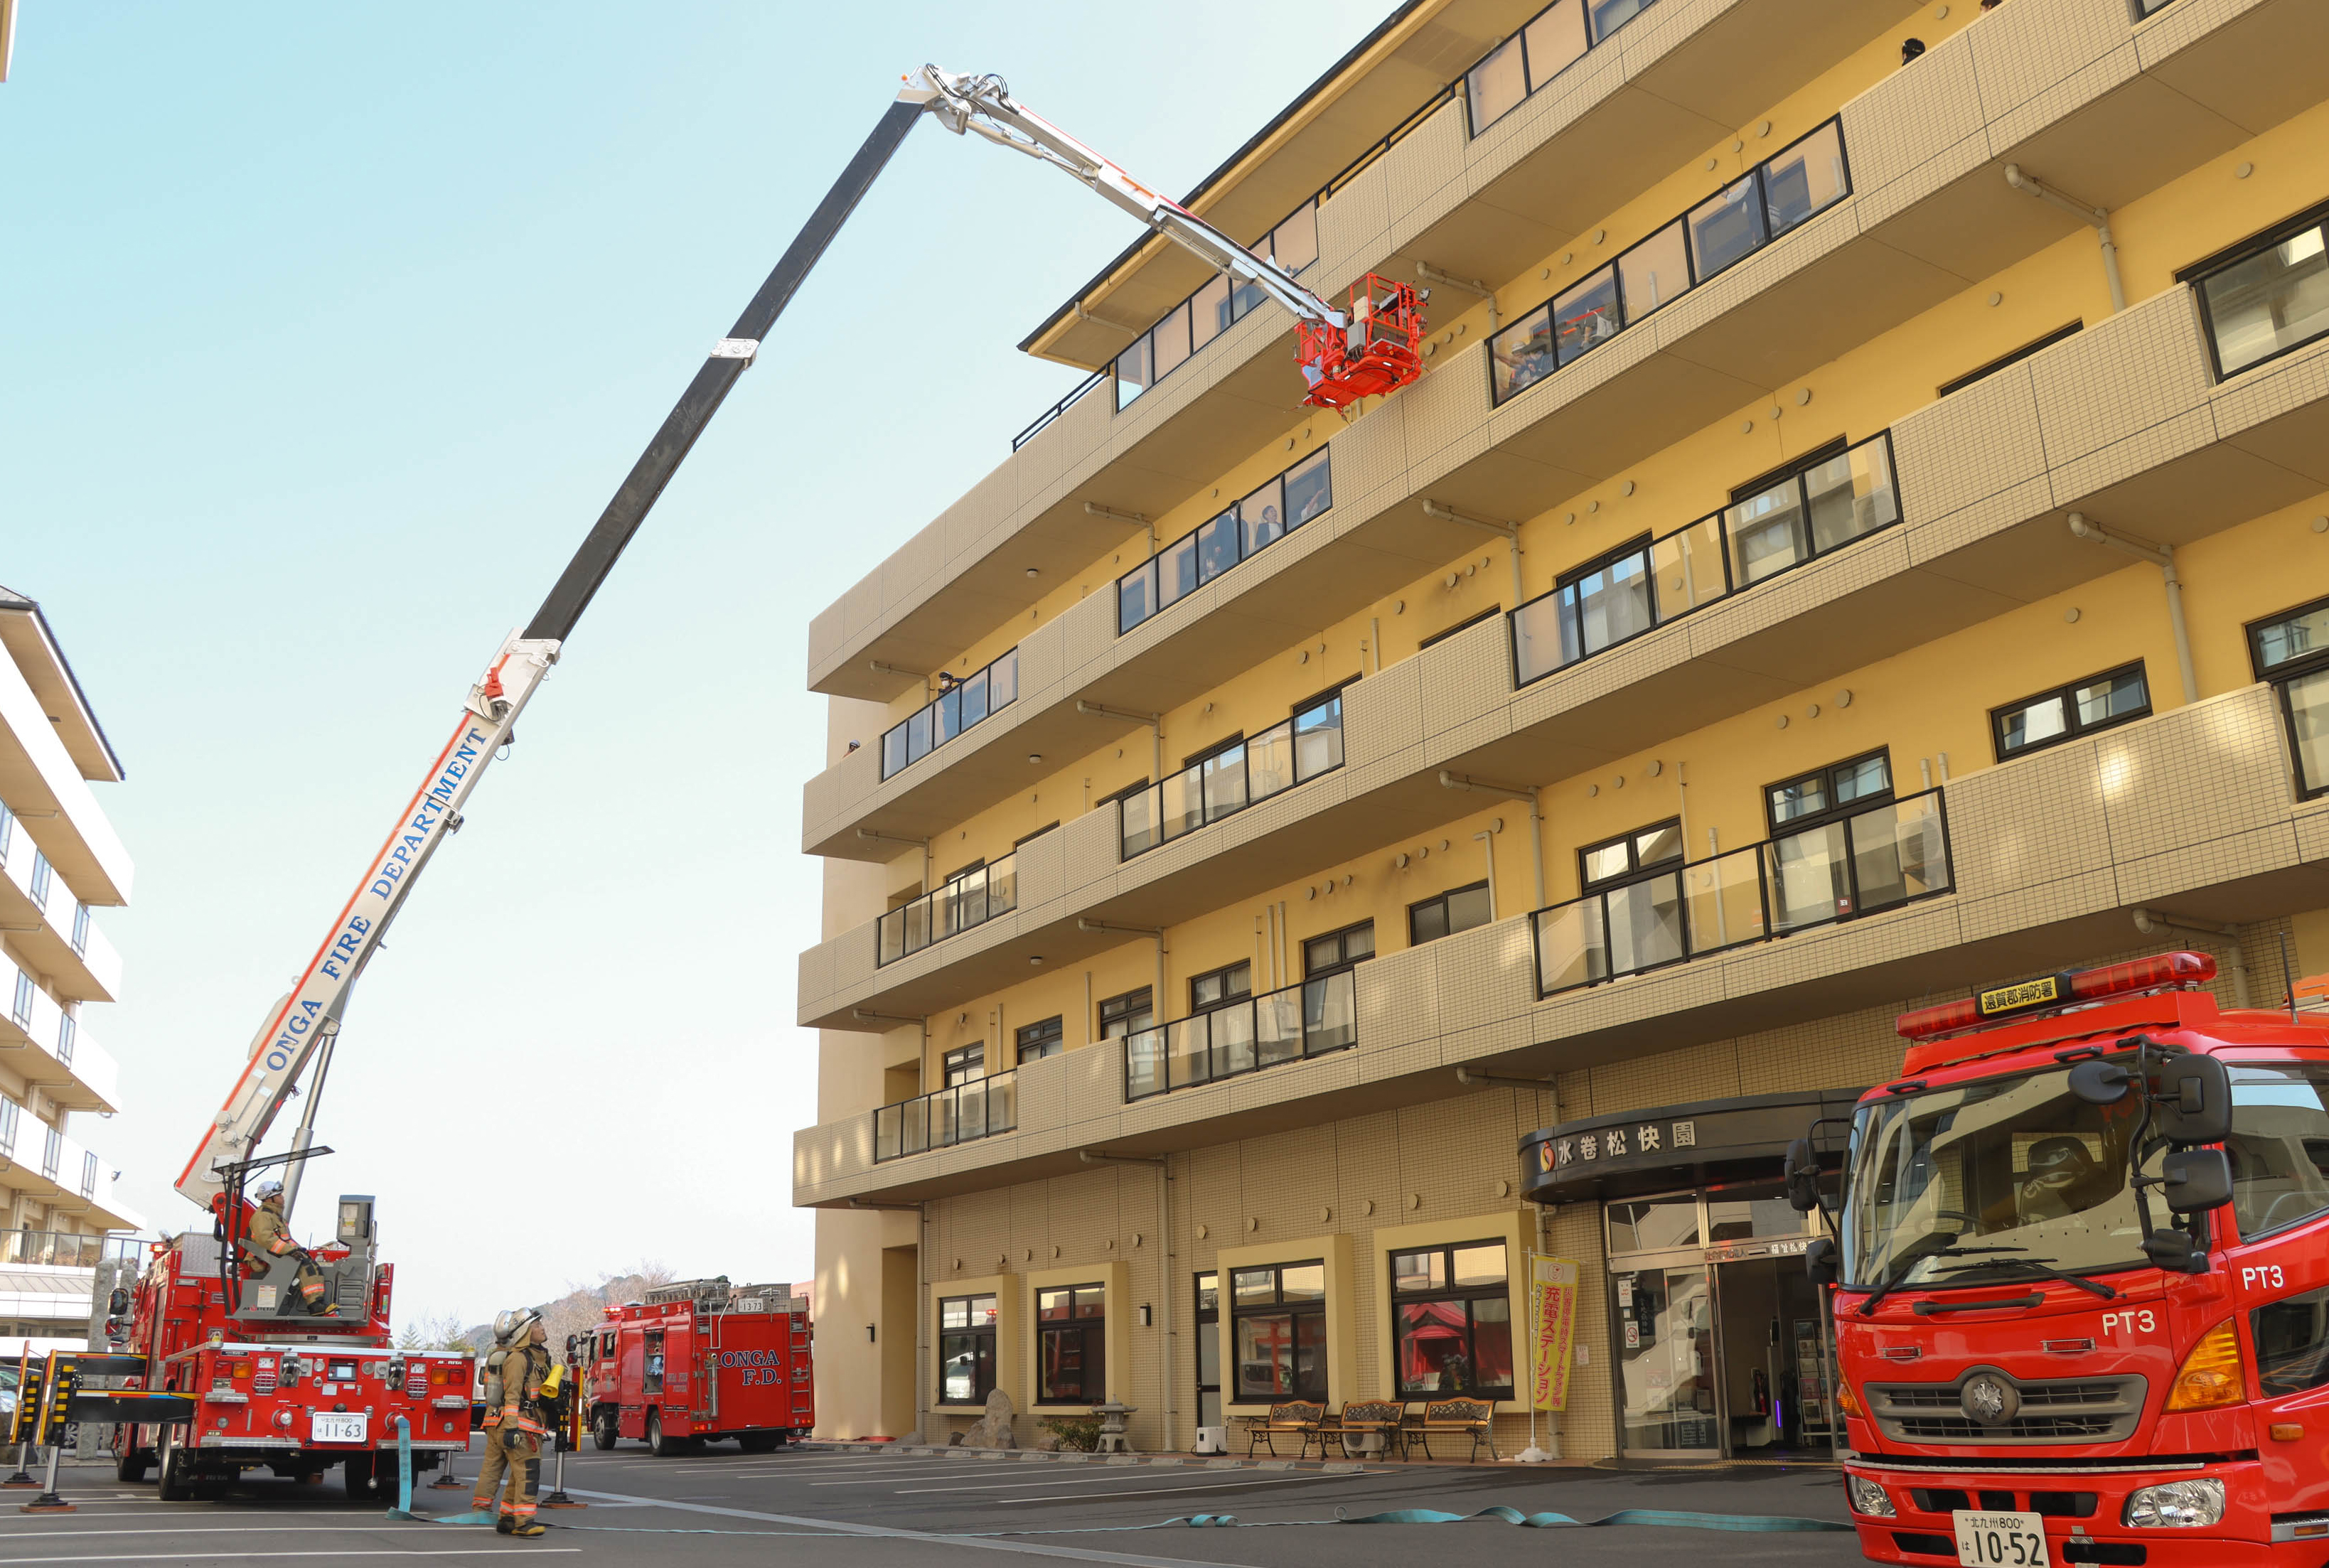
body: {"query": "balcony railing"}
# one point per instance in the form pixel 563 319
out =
pixel 979 1109
pixel 1642 585
pixel 1857 864
pixel 1254 769
pixel 1308 1019
pixel 1207 314
pixel 57 1249
pixel 1523 64
pixel 1804 178
pixel 973 898
pixel 1058 408
pixel 956 708
pixel 1303 491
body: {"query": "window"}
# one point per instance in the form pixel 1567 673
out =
pixel 2003 361
pixel 1810 508
pixel 650 1361
pixel 7 830
pixel 1838 787
pixel 2080 709
pixel 966 1064
pixel 1338 949
pixel 1208 1349
pixel 2279 1146
pixel 1458 909
pixel 23 1010
pixel 1465 624
pixel 1653 1225
pixel 1037 1041
pixel 1070 1346
pixel 1629 855
pixel 2267 296
pixel 1127 1015
pixel 1232 982
pixel 40 881
pixel 1524 63
pixel 80 928
pixel 2292 651
pixel 1284 505
pixel 1278 1318
pixel 1452 1317
pixel 965 1349
pixel 2292 1343
pixel 68 1027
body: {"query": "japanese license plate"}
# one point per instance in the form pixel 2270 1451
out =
pixel 337 1428
pixel 1997 1540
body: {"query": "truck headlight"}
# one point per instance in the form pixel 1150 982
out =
pixel 2175 1505
pixel 1869 1498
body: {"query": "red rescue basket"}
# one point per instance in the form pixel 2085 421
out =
pixel 1380 351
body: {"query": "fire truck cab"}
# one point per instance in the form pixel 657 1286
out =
pixel 2081 1279
pixel 699 1361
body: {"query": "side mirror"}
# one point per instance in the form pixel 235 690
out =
pixel 116 1303
pixel 2172 1250
pixel 2195 1180
pixel 2194 1100
pixel 1802 1168
pixel 2100 1083
pixel 1820 1261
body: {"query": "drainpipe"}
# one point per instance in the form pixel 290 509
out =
pixel 899 1208
pixel 1155 721
pixel 1510 531
pixel 1495 1080
pixel 1169 1284
pixel 870 837
pixel 2149 920
pixel 1486 838
pixel 2029 185
pixel 1432 275
pixel 1094 509
pixel 879 668
pixel 2166 557
pixel 1456 781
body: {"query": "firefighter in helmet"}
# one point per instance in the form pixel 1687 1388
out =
pixel 267 1239
pixel 514 1371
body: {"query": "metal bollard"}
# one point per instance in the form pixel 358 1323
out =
pixel 48 1502
pixel 22 1478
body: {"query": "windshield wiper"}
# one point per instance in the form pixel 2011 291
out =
pixel 2039 1266
pixel 1917 1254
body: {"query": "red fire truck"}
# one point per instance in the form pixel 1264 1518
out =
pixel 294 1395
pixel 2081 1276
pixel 700 1361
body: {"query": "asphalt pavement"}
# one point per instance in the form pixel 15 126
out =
pixel 871 1508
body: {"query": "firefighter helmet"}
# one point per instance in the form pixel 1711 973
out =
pixel 268 1189
pixel 510 1327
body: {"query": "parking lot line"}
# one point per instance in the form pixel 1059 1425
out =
pixel 205 1556
pixel 1224 1484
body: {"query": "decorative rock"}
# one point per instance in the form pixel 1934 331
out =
pixel 1047 1441
pixel 993 1430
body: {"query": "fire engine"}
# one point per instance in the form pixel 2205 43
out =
pixel 2081 1278
pixel 700 1361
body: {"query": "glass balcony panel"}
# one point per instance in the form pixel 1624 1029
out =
pixel 1540 645
pixel 1496 85
pixel 1568 946
pixel 893 750
pixel 1766 533
pixel 1136 598
pixel 1169 339
pixel 889 1131
pixel 1224 783
pixel 1900 853
pixel 1587 316
pixel 1143 1064
pixel 1310 487
pixel 1294 244
pixel 1263 515
pixel 1330 1012
pixel 889 937
pixel 1278 1027
pixel 1655 271
pixel 918 924
pixel 1808 879
pixel 1318 739
pixel 2307 697
pixel 1643 925
pixel 1555 39
pixel 1003 1102
pixel 1725 227
pixel 946 716
pixel 1003 682
pixel 1233 1039
pixel 1176 571
pixel 1522 354
pixel 975 698
pixel 1805 179
pixel 970 1110
pixel 1269 761
pixel 1217 546
pixel 1002 886
pixel 1613 603
pixel 1132 376
pixel 1687 568
pixel 1183 802
pixel 1192 1051
pixel 1724 900
pixel 2270 302
pixel 917 735
pixel 946 1126
pixel 1609 15
pixel 1851 495
pixel 1209 313
pixel 1139 815
pixel 916 1126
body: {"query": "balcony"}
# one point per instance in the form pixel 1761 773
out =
pixel 59 1170
pixel 42 763
pixel 1862 863
pixel 973 898
pixel 1251 771
pixel 963 704
pixel 1292 1024
pixel 981 1108
pixel 51 1047
pixel 41 1249
pixel 50 928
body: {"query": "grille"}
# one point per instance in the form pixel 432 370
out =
pixel 2081 1409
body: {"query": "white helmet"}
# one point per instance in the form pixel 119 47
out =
pixel 268 1189
pixel 510 1327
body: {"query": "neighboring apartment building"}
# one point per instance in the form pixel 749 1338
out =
pixel 59 861
pixel 1701 663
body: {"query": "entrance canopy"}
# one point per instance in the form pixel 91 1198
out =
pixel 1679 1146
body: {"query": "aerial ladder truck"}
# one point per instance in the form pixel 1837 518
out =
pixel 270 1384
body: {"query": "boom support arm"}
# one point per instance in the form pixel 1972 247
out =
pixel 984 104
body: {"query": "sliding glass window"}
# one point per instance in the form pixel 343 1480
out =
pixel 2267 297
pixel 1531 58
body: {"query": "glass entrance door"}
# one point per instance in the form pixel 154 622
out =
pixel 1774 1359
pixel 1666 1371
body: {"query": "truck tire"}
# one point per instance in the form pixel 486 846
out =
pixel 132 1462
pixel 662 1446
pixel 361 1475
pixel 604 1428
pixel 175 1482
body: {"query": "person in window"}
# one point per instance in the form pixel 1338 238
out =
pixel 1911 48
pixel 2063 1180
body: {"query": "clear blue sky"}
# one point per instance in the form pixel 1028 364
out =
pixel 327 332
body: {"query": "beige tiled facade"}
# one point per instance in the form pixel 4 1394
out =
pixel 2199 130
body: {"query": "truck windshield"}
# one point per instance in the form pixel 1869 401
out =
pixel 1956 1186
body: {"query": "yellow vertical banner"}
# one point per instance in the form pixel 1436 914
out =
pixel 1552 1328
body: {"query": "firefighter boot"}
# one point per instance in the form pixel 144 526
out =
pixel 530 1529
pixel 505 1526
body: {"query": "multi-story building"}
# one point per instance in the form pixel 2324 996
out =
pixel 59 861
pixel 1861 534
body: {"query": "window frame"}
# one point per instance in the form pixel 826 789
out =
pixel 970 1060
pixel 1464 625
pixel 1050 1034
pixel 2231 256
pixel 1078 1324
pixel 2007 360
pixel 1441 899
pixel 1835 809
pixel 1147 1004
pixel 2072 727
pixel 1467 1294
pixel 1636 871
pixel 1228 997
pixel 976 1333
pixel 2285 675
pixel 1233 1388
pixel 1339 937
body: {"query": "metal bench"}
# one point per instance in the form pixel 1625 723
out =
pixel 1454 1417
pixel 1366 1417
pixel 1296 1418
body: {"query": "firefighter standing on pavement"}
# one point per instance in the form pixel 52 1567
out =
pixel 513 1378
pixel 267 1239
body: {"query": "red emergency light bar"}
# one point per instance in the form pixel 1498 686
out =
pixel 2055 991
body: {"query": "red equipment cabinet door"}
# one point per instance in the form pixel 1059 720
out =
pixel 752 1366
